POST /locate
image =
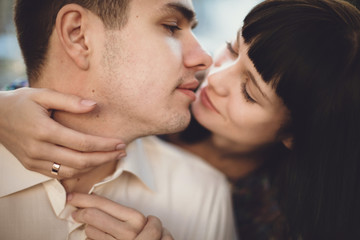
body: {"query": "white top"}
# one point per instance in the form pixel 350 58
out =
pixel 191 198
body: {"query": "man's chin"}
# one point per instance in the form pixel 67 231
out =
pixel 176 124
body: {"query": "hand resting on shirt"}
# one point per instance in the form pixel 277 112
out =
pixel 106 219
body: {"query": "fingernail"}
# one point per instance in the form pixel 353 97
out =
pixel 120 146
pixel 69 197
pixel 88 103
pixel 122 155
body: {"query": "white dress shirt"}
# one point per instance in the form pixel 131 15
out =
pixel 191 198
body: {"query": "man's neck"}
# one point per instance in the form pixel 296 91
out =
pixel 83 183
pixel 88 124
pixel 99 122
pixel 60 74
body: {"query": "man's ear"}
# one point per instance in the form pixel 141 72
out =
pixel 288 142
pixel 71 23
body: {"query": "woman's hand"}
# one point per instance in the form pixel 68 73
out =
pixel 29 133
pixel 106 219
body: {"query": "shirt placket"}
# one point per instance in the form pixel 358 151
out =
pixel 57 196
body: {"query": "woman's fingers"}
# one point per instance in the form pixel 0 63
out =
pixel 29 133
pixel 50 131
pixel 154 230
pixel 71 158
pixel 51 99
pixel 110 217
pixel 166 235
pixel 111 228
pixel 96 234
pixel 71 164
pixel 66 137
pixel 125 214
pixel 44 167
pixel 106 219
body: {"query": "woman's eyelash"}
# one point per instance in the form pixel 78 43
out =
pixel 248 98
pixel 172 28
pixel 231 49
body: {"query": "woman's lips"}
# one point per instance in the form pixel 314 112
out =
pixel 205 100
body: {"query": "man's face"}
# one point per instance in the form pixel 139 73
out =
pixel 146 73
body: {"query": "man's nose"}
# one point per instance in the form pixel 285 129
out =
pixel 195 56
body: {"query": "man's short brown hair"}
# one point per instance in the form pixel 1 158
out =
pixel 35 21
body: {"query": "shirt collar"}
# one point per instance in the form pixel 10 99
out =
pixel 14 177
pixel 137 163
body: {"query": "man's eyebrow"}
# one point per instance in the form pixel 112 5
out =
pixel 184 10
pixel 252 78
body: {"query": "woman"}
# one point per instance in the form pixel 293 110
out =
pixel 282 103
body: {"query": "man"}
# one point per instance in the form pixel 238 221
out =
pixel 137 60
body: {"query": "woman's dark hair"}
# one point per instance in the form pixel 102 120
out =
pixel 309 51
pixel 356 3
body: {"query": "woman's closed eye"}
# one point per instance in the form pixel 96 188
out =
pixel 231 49
pixel 247 97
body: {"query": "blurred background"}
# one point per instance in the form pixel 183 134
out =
pixel 218 22
pixel 11 64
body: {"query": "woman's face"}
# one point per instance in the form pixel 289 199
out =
pixel 234 102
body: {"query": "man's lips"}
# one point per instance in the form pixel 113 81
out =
pixel 188 89
pixel 205 100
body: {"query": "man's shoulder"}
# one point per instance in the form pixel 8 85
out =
pixel 8 162
pixel 14 176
